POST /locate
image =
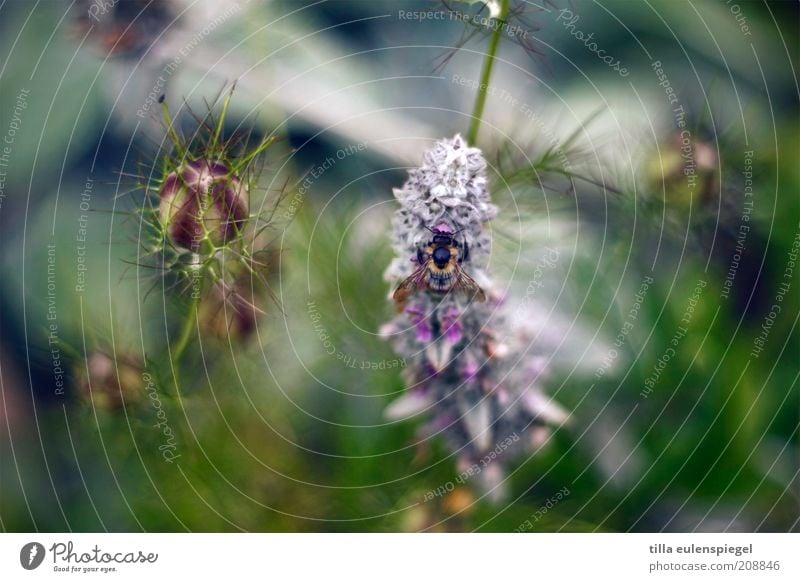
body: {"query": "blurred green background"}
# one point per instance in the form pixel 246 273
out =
pixel 275 434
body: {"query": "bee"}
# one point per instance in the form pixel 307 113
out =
pixel 439 269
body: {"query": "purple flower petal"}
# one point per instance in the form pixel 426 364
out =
pixel 452 325
pixel 424 332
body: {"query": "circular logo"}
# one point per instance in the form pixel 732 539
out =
pixel 31 555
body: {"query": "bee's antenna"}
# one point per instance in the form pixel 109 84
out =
pixel 459 231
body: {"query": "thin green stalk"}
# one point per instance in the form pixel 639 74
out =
pixel 256 152
pixel 171 129
pixel 486 75
pixel 221 121
pixel 183 341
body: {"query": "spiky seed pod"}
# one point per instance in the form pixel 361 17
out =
pixel 200 234
pixel 197 231
pixel 470 372
pixel 203 203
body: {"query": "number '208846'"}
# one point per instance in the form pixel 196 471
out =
pixel 757 565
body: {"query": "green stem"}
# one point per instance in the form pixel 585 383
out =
pixel 221 122
pixel 252 155
pixel 183 341
pixel 486 75
pixel 171 129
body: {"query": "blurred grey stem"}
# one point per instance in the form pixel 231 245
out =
pixel 488 64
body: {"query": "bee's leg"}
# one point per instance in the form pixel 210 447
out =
pixel 420 256
pixel 465 254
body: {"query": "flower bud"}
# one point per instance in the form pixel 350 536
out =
pixel 202 202
pixel 460 500
pixel 109 385
pixel 685 169
pixel 229 315
pixel 115 28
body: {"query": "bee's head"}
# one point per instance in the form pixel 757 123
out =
pixel 442 239
pixel 443 234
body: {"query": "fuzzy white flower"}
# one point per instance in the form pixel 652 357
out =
pixel 478 385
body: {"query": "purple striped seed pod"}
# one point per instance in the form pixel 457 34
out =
pixel 203 202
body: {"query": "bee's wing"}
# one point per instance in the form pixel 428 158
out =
pixel 465 283
pixel 411 284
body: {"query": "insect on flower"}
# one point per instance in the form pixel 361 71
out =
pixel 477 380
pixel 439 269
